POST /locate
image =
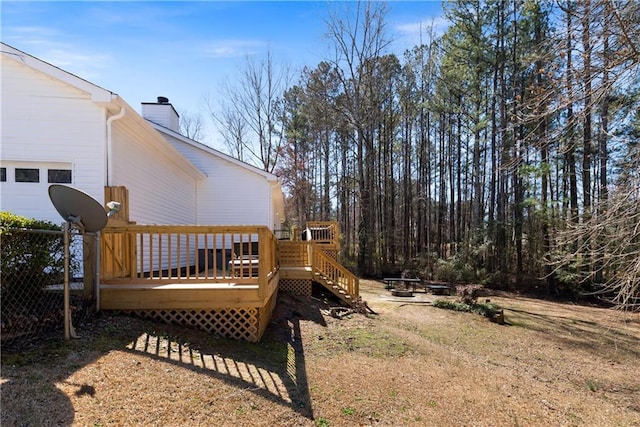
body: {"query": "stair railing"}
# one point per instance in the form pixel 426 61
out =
pixel 333 273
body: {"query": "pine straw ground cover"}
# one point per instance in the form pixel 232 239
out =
pixel 412 364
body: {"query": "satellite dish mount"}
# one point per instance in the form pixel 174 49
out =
pixel 84 214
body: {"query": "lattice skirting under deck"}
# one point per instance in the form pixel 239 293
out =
pixel 296 286
pixel 238 323
pixel 331 253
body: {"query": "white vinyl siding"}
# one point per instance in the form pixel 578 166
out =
pixel 160 192
pixel 231 194
pixel 30 199
pixel 54 120
pixel 36 132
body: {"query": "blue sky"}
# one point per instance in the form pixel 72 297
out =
pixel 185 50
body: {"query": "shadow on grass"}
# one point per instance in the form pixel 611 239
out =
pixel 273 369
pixel 32 371
pixel 575 332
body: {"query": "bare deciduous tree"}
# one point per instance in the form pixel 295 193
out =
pixel 191 125
pixel 359 37
pixel 231 125
pixel 613 241
pixel 251 112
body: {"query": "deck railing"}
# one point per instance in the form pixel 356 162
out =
pixel 333 272
pixel 294 254
pixel 324 232
pixel 137 254
pixel 142 256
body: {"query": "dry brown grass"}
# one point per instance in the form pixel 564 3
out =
pixel 412 364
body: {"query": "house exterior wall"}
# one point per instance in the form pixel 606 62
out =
pixel 160 192
pixel 276 209
pixel 54 120
pixel 36 133
pixel 231 194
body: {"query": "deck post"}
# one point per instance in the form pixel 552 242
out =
pixel 310 257
pixel 264 256
pixel 89 265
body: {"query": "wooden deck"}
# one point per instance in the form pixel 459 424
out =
pixel 202 271
pixel 296 273
pixel 188 260
pixel 179 296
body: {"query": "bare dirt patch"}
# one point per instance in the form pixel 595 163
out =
pixel 412 364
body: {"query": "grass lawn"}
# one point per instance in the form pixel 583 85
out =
pixel 411 364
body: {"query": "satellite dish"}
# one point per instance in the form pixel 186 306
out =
pixel 77 207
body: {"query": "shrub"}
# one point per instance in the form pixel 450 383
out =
pixel 469 293
pixel 29 260
pixel 468 302
pixel 452 305
pixel 446 271
pixel 422 265
pixel 459 268
pixel 486 309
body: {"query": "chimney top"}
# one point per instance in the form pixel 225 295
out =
pixel 161 113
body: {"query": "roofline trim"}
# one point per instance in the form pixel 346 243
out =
pixel 98 94
pixel 269 176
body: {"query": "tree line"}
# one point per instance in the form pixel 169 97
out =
pixel 503 151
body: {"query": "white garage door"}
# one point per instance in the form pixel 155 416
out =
pixel 24 187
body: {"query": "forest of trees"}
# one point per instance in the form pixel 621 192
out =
pixel 504 151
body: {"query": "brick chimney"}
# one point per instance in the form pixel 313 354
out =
pixel 161 113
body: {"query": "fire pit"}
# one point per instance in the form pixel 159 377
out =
pixel 401 292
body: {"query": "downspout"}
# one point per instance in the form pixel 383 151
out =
pixel 110 120
pixel 109 172
pixel 270 221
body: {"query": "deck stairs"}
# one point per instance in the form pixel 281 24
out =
pixel 333 276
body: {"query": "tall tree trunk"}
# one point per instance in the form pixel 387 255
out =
pixel 571 143
pixel 517 153
pixel 603 194
pixel 586 128
pixel 586 125
pixel 502 178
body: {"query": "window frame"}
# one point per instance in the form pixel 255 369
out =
pixel 26 178
pixel 59 172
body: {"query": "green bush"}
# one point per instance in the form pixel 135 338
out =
pixel 458 269
pixel 9 221
pixel 446 270
pixel 453 305
pixel 30 259
pixel 486 309
pixel 423 265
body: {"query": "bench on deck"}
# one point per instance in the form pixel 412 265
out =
pixel 246 266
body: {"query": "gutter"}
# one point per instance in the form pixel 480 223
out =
pixel 109 157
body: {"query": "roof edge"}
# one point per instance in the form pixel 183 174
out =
pixel 98 94
pixel 267 175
